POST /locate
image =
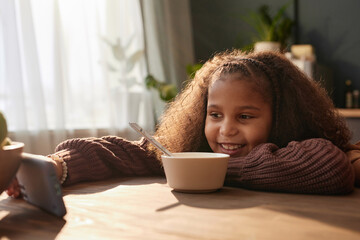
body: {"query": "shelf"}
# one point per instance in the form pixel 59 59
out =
pixel 349 113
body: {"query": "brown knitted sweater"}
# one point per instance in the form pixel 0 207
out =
pixel 311 166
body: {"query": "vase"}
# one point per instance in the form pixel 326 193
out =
pixel 10 159
pixel 267 46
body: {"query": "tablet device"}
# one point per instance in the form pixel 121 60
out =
pixel 39 184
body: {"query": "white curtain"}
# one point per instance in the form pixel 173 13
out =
pixel 72 69
pixel 169 41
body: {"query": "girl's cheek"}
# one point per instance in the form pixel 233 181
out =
pixel 208 130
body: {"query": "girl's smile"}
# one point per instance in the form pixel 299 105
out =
pixel 231 149
pixel 238 117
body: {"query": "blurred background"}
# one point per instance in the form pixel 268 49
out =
pixel 86 68
pixel 330 26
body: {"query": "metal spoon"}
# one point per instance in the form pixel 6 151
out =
pixel 139 129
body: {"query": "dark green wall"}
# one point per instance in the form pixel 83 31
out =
pixel 331 26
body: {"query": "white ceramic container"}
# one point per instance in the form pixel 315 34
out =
pixel 195 172
pixel 10 159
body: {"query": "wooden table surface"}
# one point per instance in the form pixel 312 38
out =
pixel 146 208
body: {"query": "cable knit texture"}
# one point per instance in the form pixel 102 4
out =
pixel 101 158
pixel 312 166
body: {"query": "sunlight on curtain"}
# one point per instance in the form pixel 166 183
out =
pixel 72 69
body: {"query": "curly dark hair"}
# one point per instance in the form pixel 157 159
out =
pixel 301 108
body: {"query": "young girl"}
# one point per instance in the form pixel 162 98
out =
pixel 279 127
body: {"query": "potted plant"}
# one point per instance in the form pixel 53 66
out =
pixel 10 155
pixel 167 92
pixel 272 32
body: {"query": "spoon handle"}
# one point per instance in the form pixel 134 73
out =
pixel 139 129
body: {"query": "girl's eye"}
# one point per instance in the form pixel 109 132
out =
pixel 244 116
pixel 215 115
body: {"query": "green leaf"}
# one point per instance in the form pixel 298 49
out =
pixel 264 14
pixel 192 69
pixel 166 91
pixel 248 48
pixel 150 82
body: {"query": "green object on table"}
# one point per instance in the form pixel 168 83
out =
pixel 4 140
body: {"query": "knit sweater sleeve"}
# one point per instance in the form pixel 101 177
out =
pixel 312 166
pixel 100 158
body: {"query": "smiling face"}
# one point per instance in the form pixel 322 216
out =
pixel 238 116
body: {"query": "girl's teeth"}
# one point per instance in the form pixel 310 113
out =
pixel 230 147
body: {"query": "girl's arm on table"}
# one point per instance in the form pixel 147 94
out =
pixel 100 158
pixel 310 166
pixel 353 153
pixel 90 159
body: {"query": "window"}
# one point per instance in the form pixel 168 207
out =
pixel 69 65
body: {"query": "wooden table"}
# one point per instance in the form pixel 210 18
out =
pixel 146 208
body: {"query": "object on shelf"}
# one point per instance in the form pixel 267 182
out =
pixel 267 46
pixel 303 51
pixel 349 113
pixel 272 29
pixel 303 57
pixel 356 93
pixel 348 94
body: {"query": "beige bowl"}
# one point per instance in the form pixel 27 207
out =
pixel 195 171
pixel 10 159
